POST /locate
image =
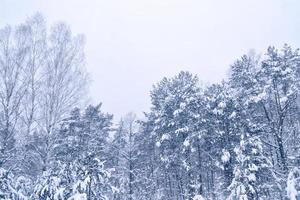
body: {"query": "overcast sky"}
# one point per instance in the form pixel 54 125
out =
pixel 132 44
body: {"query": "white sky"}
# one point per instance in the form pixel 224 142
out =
pixel 132 44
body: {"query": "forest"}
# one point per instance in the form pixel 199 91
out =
pixel 234 140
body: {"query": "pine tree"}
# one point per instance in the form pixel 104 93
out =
pixel 252 171
pixel 175 112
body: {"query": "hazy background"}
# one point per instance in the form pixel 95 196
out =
pixel 132 44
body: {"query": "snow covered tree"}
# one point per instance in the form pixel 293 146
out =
pixel 92 180
pixel 279 81
pixel 13 50
pixel 9 186
pixel 118 160
pixel 175 112
pixel 64 79
pixel 266 93
pixel 293 184
pixel 252 172
pixel 237 139
pixel 221 129
pixel 77 158
pixel 49 186
pixel 125 149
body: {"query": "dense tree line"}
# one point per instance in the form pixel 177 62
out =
pixel 235 140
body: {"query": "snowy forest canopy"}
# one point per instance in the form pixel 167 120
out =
pixel 236 140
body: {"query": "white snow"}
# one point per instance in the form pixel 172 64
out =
pixel 182 130
pixel 251 177
pixel 222 105
pixel 253 167
pixel 233 114
pixel 78 196
pixel 198 197
pixel 293 183
pixel 177 112
pixel 225 157
pixel 186 143
pixel 165 137
pixel 182 105
pixel 158 143
pixel 283 100
pixel 59 194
